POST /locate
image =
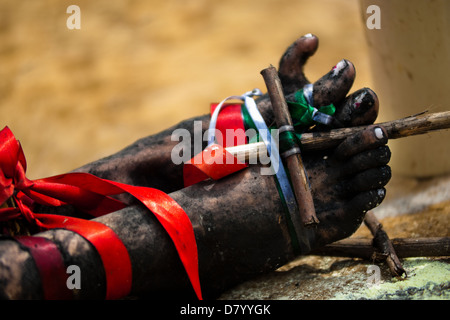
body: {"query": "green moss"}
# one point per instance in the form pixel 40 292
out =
pixel 427 279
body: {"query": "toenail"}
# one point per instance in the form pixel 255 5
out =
pixel 308 35
pixel 359 99
pixel 337 68
pixel 379 133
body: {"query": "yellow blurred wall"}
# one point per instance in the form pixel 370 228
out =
pixel 137 67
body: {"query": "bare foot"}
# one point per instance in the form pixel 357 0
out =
pixel 348 181
pixel 344 186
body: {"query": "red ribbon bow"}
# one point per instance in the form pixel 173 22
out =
pixel 92 195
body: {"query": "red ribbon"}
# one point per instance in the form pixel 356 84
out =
pixel 230 118
pixel 50 265
pixel 112 251
pixel 214 161
pixel 92 195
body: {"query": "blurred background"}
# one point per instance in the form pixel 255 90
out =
pixel 139 66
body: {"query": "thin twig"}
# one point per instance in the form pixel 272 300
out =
pixel 297 172
pixel 414 125
pixel 409 126
pixel 384 245
pixel 405 248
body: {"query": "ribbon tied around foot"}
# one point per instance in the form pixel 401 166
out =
pixel 91 195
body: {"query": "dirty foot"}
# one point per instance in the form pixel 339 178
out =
pixel 350 180
pixel 345 184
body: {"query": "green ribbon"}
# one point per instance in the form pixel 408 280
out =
pixel 302 112
pixel 302 118
pixel 288 140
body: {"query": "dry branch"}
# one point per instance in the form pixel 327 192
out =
pixel 409 126
pixel 384 245
pixel 297 171
pixel 405 248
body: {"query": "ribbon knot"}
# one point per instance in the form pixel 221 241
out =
pixel 13 181
pixel 304 114
pixel 20 181
pixel 12 165
pixel 53 191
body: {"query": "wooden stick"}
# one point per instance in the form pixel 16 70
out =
pixel 413 125
pixel 297 171
pixel 405 247
pixel 382 242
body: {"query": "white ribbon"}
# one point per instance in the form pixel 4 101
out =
pixel 246 97
pixel 308 93
pixel 272 149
